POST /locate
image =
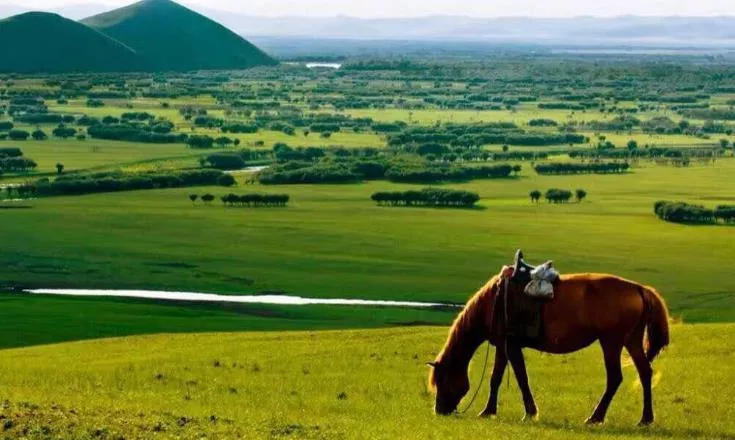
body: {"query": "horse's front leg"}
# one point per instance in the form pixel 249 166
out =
pixel 491 409
pixel 515 356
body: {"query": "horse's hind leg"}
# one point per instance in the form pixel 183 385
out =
pixel 515 356
pixel 501 361
pixel 611 351
pixel 635 349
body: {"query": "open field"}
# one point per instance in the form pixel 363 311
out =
pixel 27 319
pixel 94 153
pixel 332 241
pixel 341 385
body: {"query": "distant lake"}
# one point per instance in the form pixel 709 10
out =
pixel 326 65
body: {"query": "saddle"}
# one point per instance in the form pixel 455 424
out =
pixel 519 305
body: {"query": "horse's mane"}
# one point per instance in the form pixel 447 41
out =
pixel 465 322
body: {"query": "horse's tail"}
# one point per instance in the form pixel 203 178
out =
pixel 657 322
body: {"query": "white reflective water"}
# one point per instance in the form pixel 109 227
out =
pixel 246 299
pixel 326 65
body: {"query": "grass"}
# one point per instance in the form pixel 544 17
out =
pixel 92 153
pixel 341 385
pixel 27 319
pixel 334 242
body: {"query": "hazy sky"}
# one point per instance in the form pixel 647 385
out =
pixel 391 8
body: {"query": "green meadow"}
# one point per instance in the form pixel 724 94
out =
pixel 114 368
pixel 332 241
pixel 368 384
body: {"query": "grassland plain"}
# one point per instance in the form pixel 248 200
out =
pixel 94 153
pixel 368 384
pixel 332 241
pixel 40 319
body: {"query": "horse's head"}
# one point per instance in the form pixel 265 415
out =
pixel 450 385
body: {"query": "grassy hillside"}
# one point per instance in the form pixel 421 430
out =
pixel 44 42
pixel 333 241
pixel 341 385
pixel 172 37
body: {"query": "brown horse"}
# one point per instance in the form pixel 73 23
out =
pixel 586 308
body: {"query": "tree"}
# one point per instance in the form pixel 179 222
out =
pixel 18 135
pixel 193 197
pixel 59 168
pixel 207 198
pixel 505 148
pixel 39 135
pixel 535 196
pixel 64 132
pixel 223 141
pixel 581 194
pixel 632 145
pixel 226 180
pixel 724 143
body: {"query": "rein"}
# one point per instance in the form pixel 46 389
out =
pixel 487 352
pixel 477 391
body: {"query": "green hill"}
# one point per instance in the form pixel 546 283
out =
pixel 172 37
pixel 44 42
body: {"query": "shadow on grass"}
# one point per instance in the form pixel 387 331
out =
pixel 2 206
pixel 634 431
pixel 442 208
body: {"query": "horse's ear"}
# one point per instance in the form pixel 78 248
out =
pixel 431 364
pixel 518 257
pixel 549 263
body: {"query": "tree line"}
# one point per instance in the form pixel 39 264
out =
pixel 115 181
pixel 427 197
pixel 682 212
pixel 582 168
pixel 556 195
pixel 13 161
pixel 396 170
pixel 253 199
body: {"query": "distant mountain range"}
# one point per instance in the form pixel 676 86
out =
pixel 151 35
pixel 578 30
pixel 575 30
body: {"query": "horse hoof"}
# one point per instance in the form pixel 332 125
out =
pixel 487 415
pixel 645 422
pixel 592 421
pixel 530 418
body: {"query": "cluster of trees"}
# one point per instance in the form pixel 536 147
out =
pixel 113 182
pixel 427 197
pixel 346 166
pixel 439 173
pixel 134 133
pixel 17 164
pixel 475 135
pixel 22 191
pixel 253 200
pixel 12 160
pixel 682 212
pixel 645 153
pixel 582 168
pixel 555 195
pixel 321 173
